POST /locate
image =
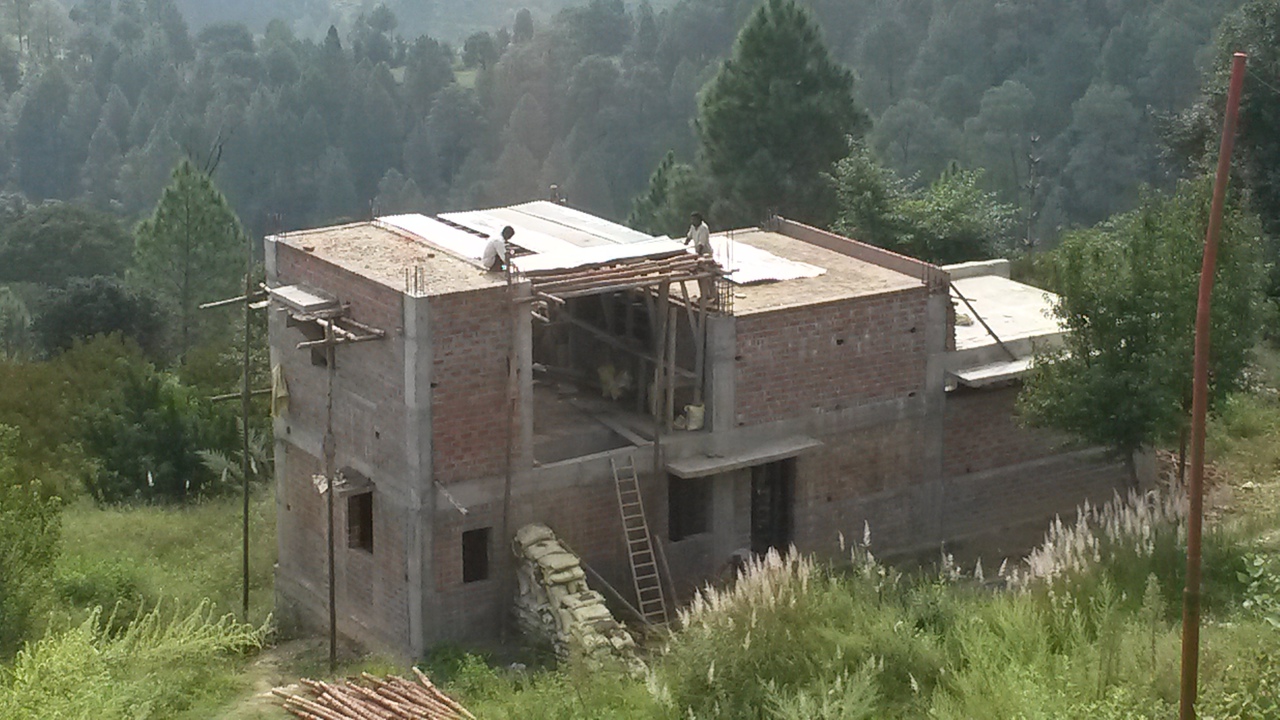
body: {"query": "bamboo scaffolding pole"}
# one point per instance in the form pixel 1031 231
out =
pixel 647 266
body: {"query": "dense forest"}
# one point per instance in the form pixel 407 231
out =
pixel 1061 104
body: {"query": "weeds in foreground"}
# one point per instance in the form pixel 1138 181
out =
pixel 161 664
pixel 1086 628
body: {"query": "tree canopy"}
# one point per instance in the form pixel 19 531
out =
pixel 951 220
pixel 777 117
pixel 1128 291
pixel 56 242
pixel 191 250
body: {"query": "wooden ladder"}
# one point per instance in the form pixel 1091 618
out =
pixel 644 564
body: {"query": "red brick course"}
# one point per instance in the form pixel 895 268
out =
pixel 471 336
pixel 982 431
pixel 830 356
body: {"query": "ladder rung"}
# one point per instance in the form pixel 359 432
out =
pixel 652 590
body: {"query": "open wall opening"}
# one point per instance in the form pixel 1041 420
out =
pixel 772 505
pixel 613 368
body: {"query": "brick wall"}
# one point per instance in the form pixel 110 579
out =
pixel 982 432
pixel 471 336
pixel 371 593
pixel 368 398
pixel 986 502
pixel 585 516
pixel 864 476
pixel 369 427
pixel 830 356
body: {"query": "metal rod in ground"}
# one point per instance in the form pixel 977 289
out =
pixel 245 394
pixel 1200 404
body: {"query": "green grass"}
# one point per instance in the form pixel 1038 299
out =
pixel 164 664
pixel 181 555
pixel 109 652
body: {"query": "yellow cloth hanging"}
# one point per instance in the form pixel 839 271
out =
pixel 279 392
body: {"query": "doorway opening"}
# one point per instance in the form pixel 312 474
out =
pixel 772 505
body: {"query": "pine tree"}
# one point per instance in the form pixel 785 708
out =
pixel 191 250
pixel 777 118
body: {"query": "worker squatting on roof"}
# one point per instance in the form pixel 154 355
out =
pixel 495 253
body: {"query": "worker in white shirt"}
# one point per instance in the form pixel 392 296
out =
pixel 700 235
pixel 495 253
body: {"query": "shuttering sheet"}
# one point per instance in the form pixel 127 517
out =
pixel 583 256
pixel 993 373
pixel 746 265
pixel 561 238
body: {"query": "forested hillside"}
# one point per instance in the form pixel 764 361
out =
pixel 450 20
pixel 1060 103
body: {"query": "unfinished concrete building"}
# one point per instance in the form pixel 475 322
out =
pixel 824 384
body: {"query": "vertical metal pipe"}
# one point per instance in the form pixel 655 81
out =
pixel 329 453
pixel 1200 403
pixel 244 425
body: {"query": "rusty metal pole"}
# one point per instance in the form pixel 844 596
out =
pixel 1200 404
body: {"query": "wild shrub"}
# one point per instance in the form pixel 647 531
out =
pixel 110 585
pixel 29 531
pixel 43 400
pixel 146 439
pixel 162 664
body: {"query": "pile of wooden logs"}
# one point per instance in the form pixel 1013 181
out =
pixel 375 698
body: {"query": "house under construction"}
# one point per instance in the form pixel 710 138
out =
pixel 594 389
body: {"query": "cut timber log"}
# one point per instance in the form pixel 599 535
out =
pixel 392 698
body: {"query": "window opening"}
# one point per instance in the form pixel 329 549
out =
pixel 475 555
pixel 688 507
pixel 360 521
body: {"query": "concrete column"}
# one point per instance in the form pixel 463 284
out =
pixel 724 516
pixel 933 496
pixel 524 354
pixel 722 347
pixel 420 509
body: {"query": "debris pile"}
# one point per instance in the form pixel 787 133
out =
pixel 392 698
pixel 556 606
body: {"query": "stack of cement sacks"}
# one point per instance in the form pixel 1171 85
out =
pixel 555 606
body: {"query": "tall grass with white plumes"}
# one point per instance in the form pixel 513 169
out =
pixel 1124 542
pixel 1135 524
pixel 765 582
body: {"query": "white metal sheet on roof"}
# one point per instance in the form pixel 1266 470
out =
pixel 491 223
pixel 437 233
pixel 747 264
pixel 580 256
pixel 567 216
